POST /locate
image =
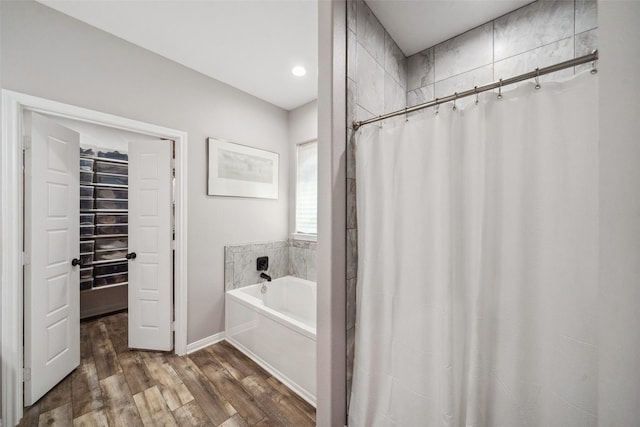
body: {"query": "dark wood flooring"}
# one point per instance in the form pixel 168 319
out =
pixel 115 386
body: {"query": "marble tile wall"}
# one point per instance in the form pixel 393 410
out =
pixel 381 80
pixel 537 35
pixel 286 257
pixel 376 83
pixel 302 259
pixel 240 262
pixel 376 67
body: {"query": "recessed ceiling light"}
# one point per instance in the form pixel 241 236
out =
pixel 299 71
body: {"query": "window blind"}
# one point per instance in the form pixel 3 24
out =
pixel 307 188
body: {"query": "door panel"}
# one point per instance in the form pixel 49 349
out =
pixel 52 294
pixel 150 272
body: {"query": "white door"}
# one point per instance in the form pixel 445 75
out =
pixel 52 293
pixel 150 269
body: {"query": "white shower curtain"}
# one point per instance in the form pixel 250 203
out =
pixel 478 263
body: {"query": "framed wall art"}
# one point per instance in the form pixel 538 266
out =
pixel 240 171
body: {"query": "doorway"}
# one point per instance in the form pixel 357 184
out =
pixel 121 257
pixel 14 105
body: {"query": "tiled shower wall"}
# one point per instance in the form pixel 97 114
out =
pixel 537 35
pixel 376 82
pixel 376 67
pixel 286 258
pixel 540 34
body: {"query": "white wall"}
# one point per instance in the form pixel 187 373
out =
pixel 303 127
pixel 619 315
pixel 47 54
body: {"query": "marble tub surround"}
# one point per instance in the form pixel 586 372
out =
pixel 536 35
pixel 302 259
pixel 286 258
pixel 240 262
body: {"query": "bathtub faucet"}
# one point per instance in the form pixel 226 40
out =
pixel 263 288
pixel 265 276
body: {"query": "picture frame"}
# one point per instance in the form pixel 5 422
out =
pixel 236 170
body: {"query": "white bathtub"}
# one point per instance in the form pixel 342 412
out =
pixel 277 330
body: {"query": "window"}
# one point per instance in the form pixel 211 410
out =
pixel 307 188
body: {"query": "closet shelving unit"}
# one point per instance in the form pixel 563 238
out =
pixel 103 222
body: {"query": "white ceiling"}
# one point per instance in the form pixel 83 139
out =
pixel 418 24
pixel 249 44
pixel 253 44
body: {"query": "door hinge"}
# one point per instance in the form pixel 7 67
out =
pixel 173 325
pixel 26 258
pixel 26 374
pixel 26 142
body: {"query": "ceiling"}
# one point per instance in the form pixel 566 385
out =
pixel 251 45
pixel 418 24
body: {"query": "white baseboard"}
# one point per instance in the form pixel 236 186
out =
pixel 204 342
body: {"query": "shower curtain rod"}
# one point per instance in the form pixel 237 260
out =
pixel 592 57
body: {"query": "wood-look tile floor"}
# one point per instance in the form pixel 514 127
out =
pixel 113 386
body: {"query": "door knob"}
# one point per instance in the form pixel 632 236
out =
pixel 132 255
pixel 75 262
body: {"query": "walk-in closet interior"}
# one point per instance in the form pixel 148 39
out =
pixel 104 176
pixel 104 216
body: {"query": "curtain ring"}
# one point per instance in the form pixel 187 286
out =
pixel 594 70
pixel 500 90
pixel 538 79
pixel 454 101
pixel 475 89
pixel 406 116
pixel 436 110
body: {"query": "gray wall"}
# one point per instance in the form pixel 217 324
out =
pixel 537 35
pixel 619 294
pixel 47 54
